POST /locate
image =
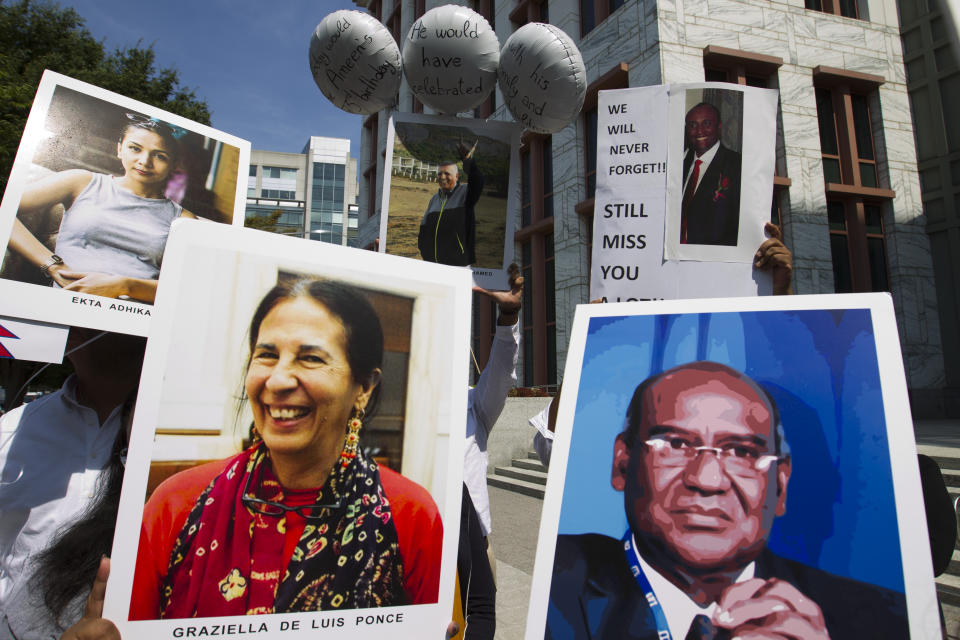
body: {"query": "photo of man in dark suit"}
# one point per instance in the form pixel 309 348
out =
pixel 710 209
pixel 704 466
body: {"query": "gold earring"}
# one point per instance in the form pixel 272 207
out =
pixel 352 440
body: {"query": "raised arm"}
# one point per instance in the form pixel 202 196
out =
pixel 500 374
pixel 474 175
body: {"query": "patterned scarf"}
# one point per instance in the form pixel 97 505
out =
pixel 227 559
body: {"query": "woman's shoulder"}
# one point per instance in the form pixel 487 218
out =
pixel 405 495
pixel 180 490
pixel 72 181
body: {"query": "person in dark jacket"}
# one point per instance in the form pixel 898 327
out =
pixel 448 229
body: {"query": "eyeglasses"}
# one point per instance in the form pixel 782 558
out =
pixel 736 457
pixel 277 509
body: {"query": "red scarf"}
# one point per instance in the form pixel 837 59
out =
pixel 228 559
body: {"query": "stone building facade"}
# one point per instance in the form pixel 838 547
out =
pixel 847 190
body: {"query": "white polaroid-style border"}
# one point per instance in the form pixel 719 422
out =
pixel 758 152
pixel 911 518
pixel 243 266
pixel 35 302
pixel 506 132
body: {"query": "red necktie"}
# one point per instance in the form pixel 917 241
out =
pixel 687 197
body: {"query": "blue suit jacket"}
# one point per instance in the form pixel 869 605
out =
pixel 594 596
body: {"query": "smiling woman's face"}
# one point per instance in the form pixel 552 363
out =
pixel 300 384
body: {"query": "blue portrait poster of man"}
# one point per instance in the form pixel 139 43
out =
pixel 732 468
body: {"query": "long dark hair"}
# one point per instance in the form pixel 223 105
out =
pixel 68 566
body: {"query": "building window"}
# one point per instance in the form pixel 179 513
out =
pixel 838 214
pixel 487 107
pixel 590 149
pixel 721 64
pixel 327 202
pixel 593 12
pixel 846 8
pixel 370 133
pixel 535 237
pixel 529 11
pixel 393 22
pixel 252 182
pixel 855 200
pixel 615 78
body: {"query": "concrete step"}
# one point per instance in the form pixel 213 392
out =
pixel 946 457
pixel 536 465
pixel 532 455
pixel 532 489
pixel 948 589
pixel 954 567
pixel 527 475
pixel 947 465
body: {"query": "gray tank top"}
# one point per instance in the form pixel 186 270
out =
pixel 110 230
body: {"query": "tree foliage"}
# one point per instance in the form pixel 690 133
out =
pixel 42 35
pixel 264 221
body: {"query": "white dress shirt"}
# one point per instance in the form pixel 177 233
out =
pixel 484 404
pixel 679 609
pixel 52 452
pixel 543 438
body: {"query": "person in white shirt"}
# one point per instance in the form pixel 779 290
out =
pixel 485 401
pixel 54 457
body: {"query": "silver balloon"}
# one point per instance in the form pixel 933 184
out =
pixel 450 59
pixel 355 61
pixel 542 77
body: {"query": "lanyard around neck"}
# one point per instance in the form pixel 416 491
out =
pixel 633 559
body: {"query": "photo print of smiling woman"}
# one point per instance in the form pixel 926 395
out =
pixel 97 183
pixel 295 454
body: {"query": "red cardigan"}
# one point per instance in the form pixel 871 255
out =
pixel 415 515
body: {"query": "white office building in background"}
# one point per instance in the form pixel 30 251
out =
pixel 315 191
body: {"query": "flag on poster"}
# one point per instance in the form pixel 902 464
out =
pixel 30 340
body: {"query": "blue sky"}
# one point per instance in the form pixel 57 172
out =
pixel 247 59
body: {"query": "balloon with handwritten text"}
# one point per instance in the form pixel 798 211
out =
pixel 542 77
pixel 356 62
pixel 450 59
